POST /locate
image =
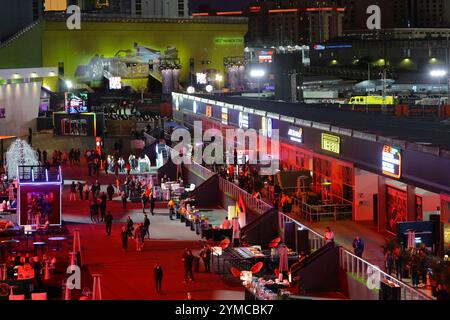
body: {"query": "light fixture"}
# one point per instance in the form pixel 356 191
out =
pixel 438 73
pixel 33 75
pixel 190 90
pixel 219 77
pixel 69 84
pixel 257 73
pixel 209 88
pixel 16 76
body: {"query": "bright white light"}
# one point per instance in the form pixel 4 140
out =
pixel 190 90
pixel 257 73
pixel 438 73
pixel 209 88
pixel 69 84
pixel 219 77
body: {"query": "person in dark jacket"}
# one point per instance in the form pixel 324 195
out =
pixel 124 235
pixel 108 222
pixel 146 227
pixel 188 260
pixel 358 246
pixel 130 227
pixel 152 203
pixel 206 257
pixel 103 205
pixel 158 271
pixel 110 191
pixel 80 189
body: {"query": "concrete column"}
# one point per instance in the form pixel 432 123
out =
pixel 411 202
pixel 381 203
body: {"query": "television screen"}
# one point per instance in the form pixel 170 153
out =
pixel 76 102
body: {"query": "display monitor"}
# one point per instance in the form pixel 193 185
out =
pixel 76 102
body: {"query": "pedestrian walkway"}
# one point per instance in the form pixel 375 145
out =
pixel 345 232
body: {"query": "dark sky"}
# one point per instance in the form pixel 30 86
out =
pixel 219 4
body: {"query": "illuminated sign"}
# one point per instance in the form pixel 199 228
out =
pixel 194 107
pixel 115 83
pixel 266 127
pixel 269 127
pixel 177 104
pixel 296 134
pixel 331 143
pixel 265 56
pixel 229 40
pixel 201 78
pixel 243 120
pixel 224 116
pixel 2 113
pixel 208 112
pixel 391 161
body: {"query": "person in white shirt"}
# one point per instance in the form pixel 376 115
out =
pixel 329 235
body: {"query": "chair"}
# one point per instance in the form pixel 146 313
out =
pixel 39 296
pixel 256 268
pixel 275 242
pixel 16 297
pixel 225 243
pixel 235 272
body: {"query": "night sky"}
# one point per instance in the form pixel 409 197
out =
pixel 219 4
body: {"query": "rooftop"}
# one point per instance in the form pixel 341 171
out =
pixel 427 136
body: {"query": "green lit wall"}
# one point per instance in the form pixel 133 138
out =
pixel 51 42
pixel 193 40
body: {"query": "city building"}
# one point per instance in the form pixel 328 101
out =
pixel 17 15
pixel 282 23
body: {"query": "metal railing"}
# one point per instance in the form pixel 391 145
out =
pixel 372 275
pixel 199 170
pixel 250 202
pixel 316 240
pixel 314 212
pixel 368 273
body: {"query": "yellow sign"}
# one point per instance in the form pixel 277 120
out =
pixel 209 111
pixel 331 143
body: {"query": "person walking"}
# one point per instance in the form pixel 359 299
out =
pixel 144 198
pixel 80 189
pixel 171 209
pixel 94 211
pixel 414 268
pixel 146 227
pixel 390 262
pixel 110 191
pixel 124 235
pixel 103 205
pixel 130 227
pixel 188 260
pixel 329 235
pixel 137 237
pixel 108 223
pixel 86 190
pixel 358 246
pixel 398 263
pixel 124 199
pixel 158 272
pixel 73 191
pixel 152 203
pixel 206 257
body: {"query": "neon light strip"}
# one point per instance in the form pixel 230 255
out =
pixel 40 183
pixel 223 13
pixel 46 175
pixel 32 175
pixel 282 10
pixel 200 14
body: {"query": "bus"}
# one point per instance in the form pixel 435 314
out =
pixel 372 100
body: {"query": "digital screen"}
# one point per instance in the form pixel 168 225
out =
pixel 296 134
pixel 201 78
pixel 209 111
pixel 243 120
pixel 115 83
pixel 391 161
pixel 224 116
pixel 331 143
pixel 44 105
pixel 265 56
pixel 76 102
pixel 2 113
